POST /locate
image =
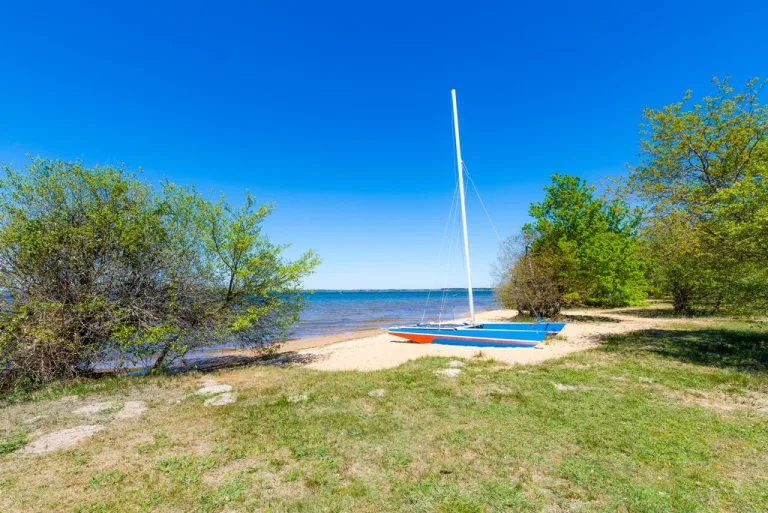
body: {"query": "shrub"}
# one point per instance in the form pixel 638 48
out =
pixel 96 264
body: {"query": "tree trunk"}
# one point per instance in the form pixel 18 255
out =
pixel 158 365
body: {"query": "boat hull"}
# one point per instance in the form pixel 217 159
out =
pixel 552 328
pixel 470 336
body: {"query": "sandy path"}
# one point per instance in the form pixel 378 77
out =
pixel 384 351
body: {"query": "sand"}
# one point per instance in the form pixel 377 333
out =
pixel 382 351
pixel 374 349
pixel 62 439
pixel 91 409
pixel 131 409
pixel 211 387
pixel 221 399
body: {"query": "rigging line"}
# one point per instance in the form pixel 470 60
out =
pixel 481 202
pixel 442 244
pixel 454 242
pixel 444 299
pixel 447 263
pixel 463 257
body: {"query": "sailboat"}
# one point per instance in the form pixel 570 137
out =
pixel 510 334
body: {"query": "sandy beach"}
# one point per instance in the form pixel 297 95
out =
pixel 367 352
pixel 374 349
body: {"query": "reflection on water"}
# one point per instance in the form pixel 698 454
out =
pixel 351 310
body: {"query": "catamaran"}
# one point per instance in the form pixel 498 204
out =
pixel 509 334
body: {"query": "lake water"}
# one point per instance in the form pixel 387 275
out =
pixel 351 310
pixel 329 312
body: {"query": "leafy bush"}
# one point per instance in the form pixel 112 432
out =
pixel 95 264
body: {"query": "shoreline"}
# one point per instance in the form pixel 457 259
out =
pixel 303 343
pixel 300 344
pixel 373 349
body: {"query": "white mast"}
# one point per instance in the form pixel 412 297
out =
pixel 463 207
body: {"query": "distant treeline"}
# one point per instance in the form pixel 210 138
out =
pixel 689 222
pixel 95 263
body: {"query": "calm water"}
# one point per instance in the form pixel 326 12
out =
pixel 351 310
pixel 345 311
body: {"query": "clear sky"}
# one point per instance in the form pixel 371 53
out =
pixel 340 112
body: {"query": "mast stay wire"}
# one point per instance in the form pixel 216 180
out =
pixel 452 245
pixel 502 242
pixel 442 244
pixel 469 176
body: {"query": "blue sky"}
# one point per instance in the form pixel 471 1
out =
pixel 340 112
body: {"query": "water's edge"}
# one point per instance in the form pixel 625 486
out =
pixel 334 316
pixel 342 311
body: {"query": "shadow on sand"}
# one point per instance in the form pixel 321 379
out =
pixel 212 363
pixel 664 313
pixel 589 318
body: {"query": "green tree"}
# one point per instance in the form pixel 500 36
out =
pixel 95 264
pixel 702 178
pixel 580 247
pixel 597 239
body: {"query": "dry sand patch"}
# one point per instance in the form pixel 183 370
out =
pixel 91 409
pixel 221 399
pixel 62 439
pixel 131 409
pixel 211 387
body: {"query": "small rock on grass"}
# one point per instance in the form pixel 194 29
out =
pixel 379 392
pixel 61 439
pixel 131 409
pixel 90 409
pixel 211 388
pixel 221 399
pixel 451 373
pixel 298 398
pixel 565 388
pixel 645 380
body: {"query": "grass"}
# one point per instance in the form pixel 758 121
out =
pixel 13 442
pixel 652 421
pixel 668 313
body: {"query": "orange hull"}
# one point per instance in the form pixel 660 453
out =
pixel 421 339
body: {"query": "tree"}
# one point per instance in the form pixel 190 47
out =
pixel 597 239
pixel 529 281
pixel 582 248
pixel 702 177
pixel 97 265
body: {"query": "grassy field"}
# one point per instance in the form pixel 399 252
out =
pixel 652 421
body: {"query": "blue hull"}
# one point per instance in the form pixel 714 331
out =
pixel 552 328
pixel 480 343
pixel 470 336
